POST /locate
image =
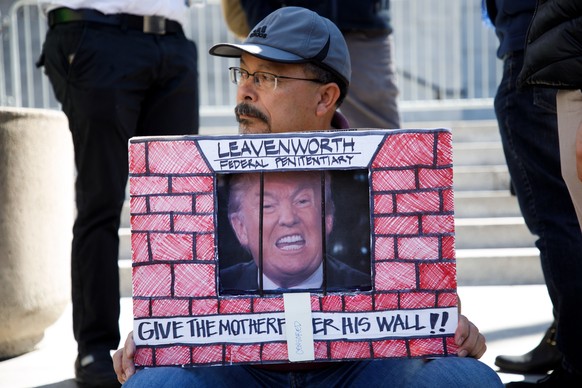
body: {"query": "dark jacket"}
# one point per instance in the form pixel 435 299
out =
pixel 553 53
pixel 511 19
pixel 242 277
pixel 348 15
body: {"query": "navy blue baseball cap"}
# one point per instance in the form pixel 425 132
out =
pixel 294 35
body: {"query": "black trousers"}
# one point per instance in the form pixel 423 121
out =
pixel 113 83
pixel 529 133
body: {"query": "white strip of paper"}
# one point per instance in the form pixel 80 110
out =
pixel 299 326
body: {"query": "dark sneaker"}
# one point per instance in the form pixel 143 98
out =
pixel 559 378
pixel 95 370
pixel 540 360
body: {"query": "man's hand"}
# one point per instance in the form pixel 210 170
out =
pixel 123 360
pixel 471 343
pixel 579 152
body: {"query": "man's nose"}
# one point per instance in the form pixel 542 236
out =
pixel 247 90
pixel 288 215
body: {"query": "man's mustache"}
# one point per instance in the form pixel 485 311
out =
pixel 244 109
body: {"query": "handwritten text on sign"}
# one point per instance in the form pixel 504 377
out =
pixel 257 328
pixel 250 153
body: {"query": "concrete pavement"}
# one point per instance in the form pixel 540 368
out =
pixel 513 319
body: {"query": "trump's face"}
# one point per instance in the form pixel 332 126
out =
pixel 292 225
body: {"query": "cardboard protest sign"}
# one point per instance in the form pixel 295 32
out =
pixel 381 203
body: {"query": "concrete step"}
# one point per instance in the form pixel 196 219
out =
pixel 468 203
pixel 124 244
pixel 479 191
pixel 215 120
pixel 474 143
pixel 470 233
pixel 463 131
pixel 125 214
pixel 478 154
pixel 494 232
pixel 222 123
pixel 475 178
pixel 471 131
pixel 475 267
pixel 499 266
pixel 125 277
pixel 490 251
pixel 486 203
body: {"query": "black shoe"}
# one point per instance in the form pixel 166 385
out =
pixel 95 370
pixel 559 378
pixel 540 360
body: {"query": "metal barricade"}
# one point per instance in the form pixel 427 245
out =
pixel 444 54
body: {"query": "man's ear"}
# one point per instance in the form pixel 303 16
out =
pixel 327 98
pixel 579 152
pixel 239 229
pixel 328 223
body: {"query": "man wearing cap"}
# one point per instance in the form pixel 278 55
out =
pixel 300 71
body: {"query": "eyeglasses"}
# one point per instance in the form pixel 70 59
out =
pixel 262 79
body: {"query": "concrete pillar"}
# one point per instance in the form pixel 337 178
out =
pixel 36 218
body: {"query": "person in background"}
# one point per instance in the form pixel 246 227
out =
pixel 553 59
pixel 296 85
pixel 119 68
pixel 528 127
pixel 365 25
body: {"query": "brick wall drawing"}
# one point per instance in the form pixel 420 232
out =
pixel 178 311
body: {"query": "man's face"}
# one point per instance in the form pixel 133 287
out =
pixel 292 230
pixel 291 107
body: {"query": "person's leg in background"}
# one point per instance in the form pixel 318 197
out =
pixel 100 189
pixel 528 128
pixel 372 99
pixel 111 92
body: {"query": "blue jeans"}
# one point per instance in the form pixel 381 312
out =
pixel 528 126
pixel 443 372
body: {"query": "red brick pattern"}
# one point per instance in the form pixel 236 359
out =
pixel 413 300
pixel 170 307
pixel 350 350
pixel 203 355
pixel 171 247
pixel 275 352
pixel 174 249
pixel 263 305
pixel 173 355
pixel 205 306
pixel 427 347
pixel 321 350
pixel 242 354
pixel 394 348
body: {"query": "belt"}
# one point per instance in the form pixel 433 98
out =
pixel 147 24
